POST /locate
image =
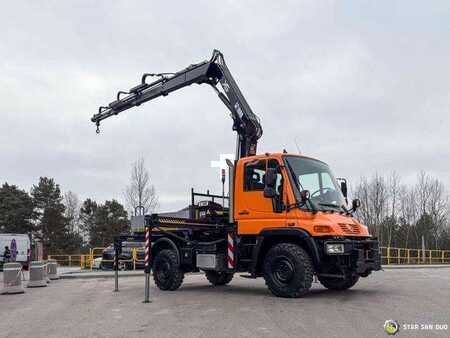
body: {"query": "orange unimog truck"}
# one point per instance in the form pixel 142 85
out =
pixel 286 217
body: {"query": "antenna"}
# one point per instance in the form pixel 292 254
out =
pixel 296 144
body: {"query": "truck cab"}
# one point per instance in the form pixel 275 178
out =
pixel 323 213
pixel 287 201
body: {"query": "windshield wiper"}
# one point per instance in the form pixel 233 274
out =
pixel 330 205
pixel 335 206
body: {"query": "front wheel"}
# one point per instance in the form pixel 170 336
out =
pixel 339 283
pixel 166 270
pixel 218 278
pixel 288 271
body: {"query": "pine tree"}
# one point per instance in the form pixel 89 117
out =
pixel 110 220
pixel 51 224
pixel 16 210
pixel 88 212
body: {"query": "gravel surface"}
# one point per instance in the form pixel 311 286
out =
pixel 245 308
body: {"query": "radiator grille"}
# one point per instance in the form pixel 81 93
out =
pixel 351 229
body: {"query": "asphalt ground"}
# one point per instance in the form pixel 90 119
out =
pixel 245 308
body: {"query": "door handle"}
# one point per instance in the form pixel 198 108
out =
pixel 243 212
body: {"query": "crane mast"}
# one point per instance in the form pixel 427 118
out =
pixel 245 122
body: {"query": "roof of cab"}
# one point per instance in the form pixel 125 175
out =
pixel 279 156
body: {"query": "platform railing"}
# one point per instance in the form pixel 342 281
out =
pixel 393 255
pixel 388 255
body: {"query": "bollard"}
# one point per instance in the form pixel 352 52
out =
pixel 46 272
pixel 12 278
pixel 147 252
pixel 38 274
pixel 117 251
pixel 52 269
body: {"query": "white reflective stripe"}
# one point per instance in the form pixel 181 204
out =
pixel 230 251
pixel 12 269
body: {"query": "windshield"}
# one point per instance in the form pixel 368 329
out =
pixel 316 177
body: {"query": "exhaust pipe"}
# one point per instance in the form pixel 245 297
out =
pixel 230 191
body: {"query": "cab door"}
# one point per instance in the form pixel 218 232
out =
pixel 254 212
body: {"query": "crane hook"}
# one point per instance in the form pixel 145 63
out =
pixel 98 127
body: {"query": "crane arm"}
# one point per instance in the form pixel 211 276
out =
pixel 211 72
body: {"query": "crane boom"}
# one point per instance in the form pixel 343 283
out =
pixel 211 72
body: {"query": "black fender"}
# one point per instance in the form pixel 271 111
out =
pixel 165 243
pixel 294 233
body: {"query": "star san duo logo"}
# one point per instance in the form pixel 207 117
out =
pixel 391 327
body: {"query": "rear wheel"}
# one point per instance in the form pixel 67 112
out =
pixel 218 278
pixel 339 283
pixel 166 270
pixel 288 271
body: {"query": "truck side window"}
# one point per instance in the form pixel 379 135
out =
pixel 279 185
pixel 254 175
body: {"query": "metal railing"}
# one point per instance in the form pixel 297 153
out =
pixel 87 261
pixel 68 260
pixel 392 255
pixel 388 255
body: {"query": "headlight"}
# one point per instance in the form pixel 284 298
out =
pixel 335 249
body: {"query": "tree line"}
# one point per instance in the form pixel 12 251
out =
pixel 400 214
pixel 63 223
pixel 60 221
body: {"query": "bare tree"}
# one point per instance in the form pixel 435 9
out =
pixel 72 212
pixel 364 213
pixel 402 215
pixel 374 203
pixel 437 208
pixel 394 189
pixel 408 211
pixel 378 199
pixel 140 195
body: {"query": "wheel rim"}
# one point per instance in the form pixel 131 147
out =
pixel 162 270
pixel 283 270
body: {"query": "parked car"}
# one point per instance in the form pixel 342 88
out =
pixel 125 258
pixel 97 263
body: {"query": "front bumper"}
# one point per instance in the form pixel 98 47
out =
pixel 359 256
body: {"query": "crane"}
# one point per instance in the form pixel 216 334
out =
pixel 273 227
pixel 246 123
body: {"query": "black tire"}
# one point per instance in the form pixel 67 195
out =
pixel 288 271
pixel 218 278
pixel 339 283
pixel 166 271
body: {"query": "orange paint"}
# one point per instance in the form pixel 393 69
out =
pixel 253 212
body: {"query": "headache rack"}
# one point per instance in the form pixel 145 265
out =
pixel 156 221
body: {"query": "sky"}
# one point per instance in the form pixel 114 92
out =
pixel 361 85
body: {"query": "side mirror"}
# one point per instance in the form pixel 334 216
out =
pixel 269 192
pixel 343 184
pixel 344 187
pixel 356 203
pixel 270 178
pixel 305 195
